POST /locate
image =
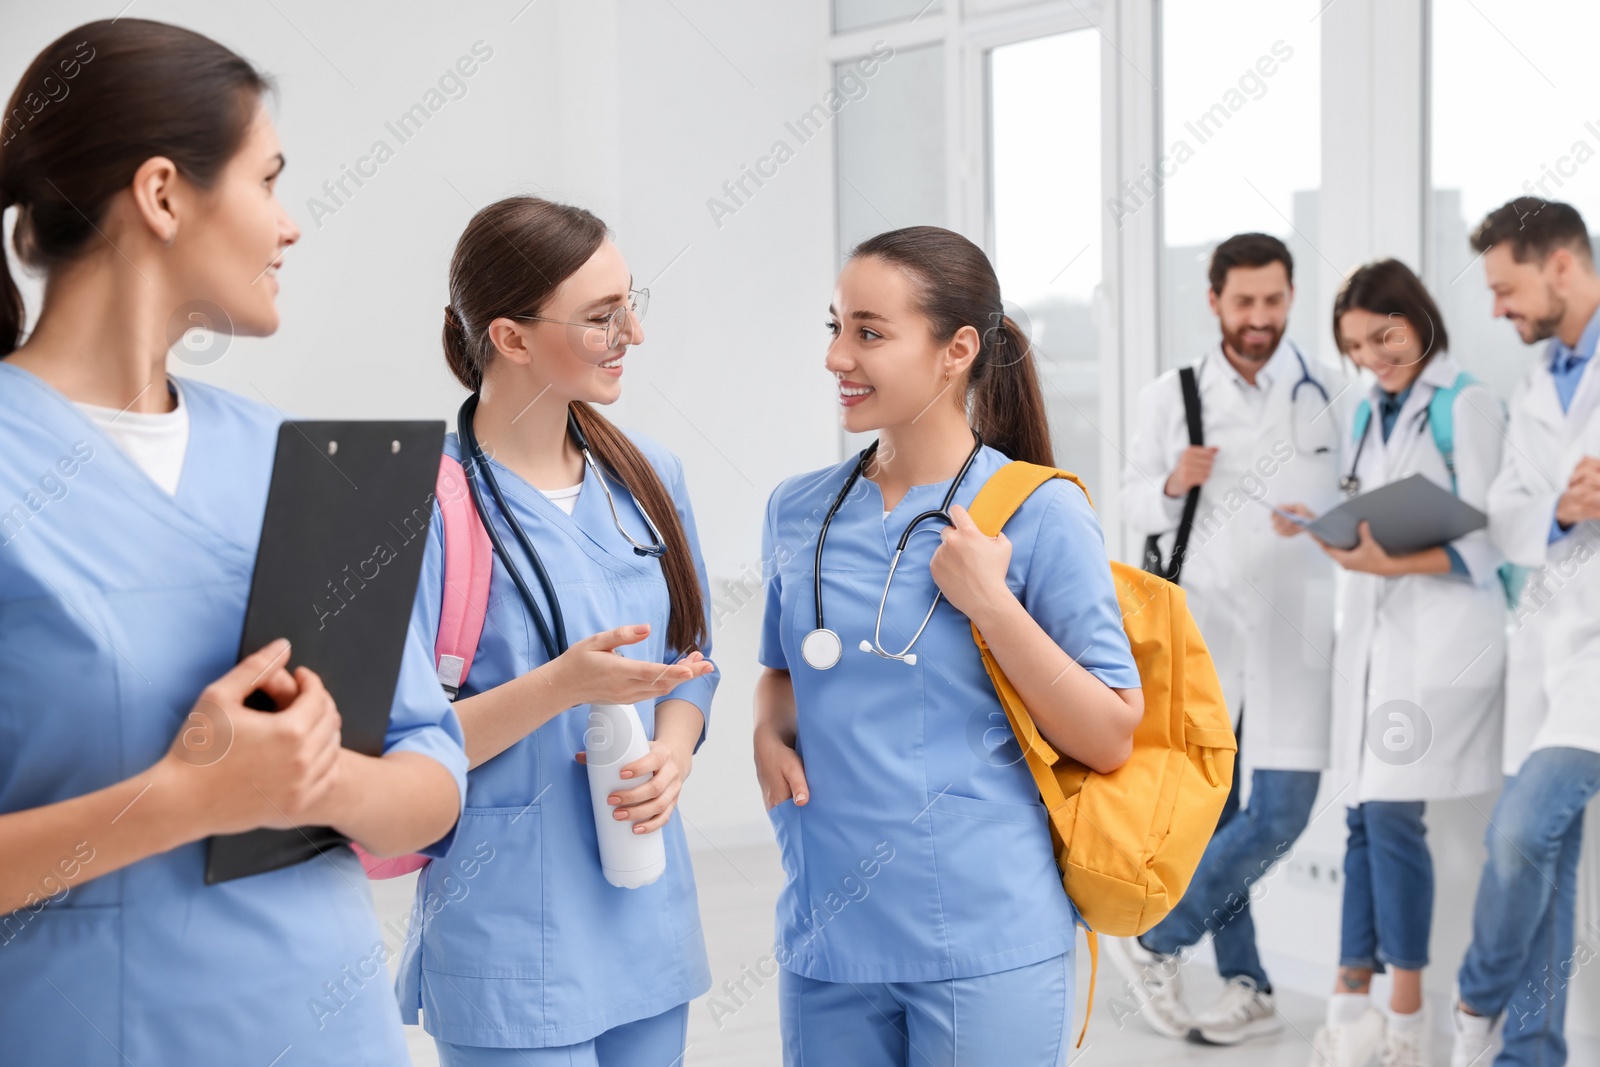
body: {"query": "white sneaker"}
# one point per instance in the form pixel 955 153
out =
pixel 1243 1012
pixel 1412 1047
pixel 1156 982
pixel 1351 1044
pixel 1474 1041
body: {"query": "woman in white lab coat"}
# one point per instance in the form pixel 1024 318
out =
pixel 1419 657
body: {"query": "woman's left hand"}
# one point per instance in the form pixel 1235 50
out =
pixel 1368 556
pixel 970 568
pixel 650 805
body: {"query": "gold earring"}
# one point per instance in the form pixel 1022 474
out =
pixel 947 375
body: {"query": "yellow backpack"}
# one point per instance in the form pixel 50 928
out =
pixel 1128 842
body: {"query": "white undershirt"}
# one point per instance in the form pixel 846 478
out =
pixel 156 442
pixel 564 498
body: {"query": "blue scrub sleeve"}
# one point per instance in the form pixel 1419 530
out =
pixel 1557 531
pixel 770 653
pixel 422 719
pixel 1458 566
pixel 1069 591
pixel 697 691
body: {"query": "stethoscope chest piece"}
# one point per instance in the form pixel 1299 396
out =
pixel 821 648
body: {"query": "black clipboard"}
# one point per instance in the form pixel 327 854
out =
pixel 336 573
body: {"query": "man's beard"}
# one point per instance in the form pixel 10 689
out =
pixel 1545 328
pixel 1254 353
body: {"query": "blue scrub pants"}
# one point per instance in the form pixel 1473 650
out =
pixel 1388 887
pixel 1523 925
pixel 1247 843
pixel 654 1042
pixel 1020 1018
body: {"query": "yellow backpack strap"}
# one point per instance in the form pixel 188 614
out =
pixel 1094 968
pixel 993 507
pixel 996 502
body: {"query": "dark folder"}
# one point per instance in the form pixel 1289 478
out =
pixel 1405 516
pixel 336 573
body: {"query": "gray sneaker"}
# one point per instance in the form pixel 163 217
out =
pixel 1241 1013
pixel 1155 983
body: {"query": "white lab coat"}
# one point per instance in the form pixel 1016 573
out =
pixel 1553 670
pixel 1264 603
pixel 1435 642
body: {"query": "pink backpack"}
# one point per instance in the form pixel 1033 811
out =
pixel 468 563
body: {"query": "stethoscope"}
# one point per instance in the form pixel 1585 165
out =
pixel 821 648
pixel 1294 395
pixel 1350 484
pixel 552 631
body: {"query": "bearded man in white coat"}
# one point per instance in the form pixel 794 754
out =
pixel 1543 508
pixel 1264 604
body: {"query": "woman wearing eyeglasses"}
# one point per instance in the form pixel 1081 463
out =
pixel 538 959
pixel 923 918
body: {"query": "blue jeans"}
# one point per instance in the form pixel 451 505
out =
pixel 1247 843
pixel 1521 957
pixel 1388 887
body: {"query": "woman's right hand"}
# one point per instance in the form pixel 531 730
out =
pixel 780 770
pixel 245 768
pixel 590 672
pixel 1283 526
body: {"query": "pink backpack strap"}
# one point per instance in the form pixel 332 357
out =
pixel 468 564
pixel 393 867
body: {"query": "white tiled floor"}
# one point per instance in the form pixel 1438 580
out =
pixel 737 887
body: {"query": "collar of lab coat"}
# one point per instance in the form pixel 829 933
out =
pixel 1276 366
pixel 1584 349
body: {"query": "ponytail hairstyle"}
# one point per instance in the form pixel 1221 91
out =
pixel 512 257
pixel 956 286
pixel 89 110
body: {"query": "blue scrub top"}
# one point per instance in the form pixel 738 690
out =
pixel 924 851
pixel 119 603
pixel 531 947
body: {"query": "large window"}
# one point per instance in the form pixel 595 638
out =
pixel 891 145
pixel 1240 149
pixel 1513 115
pixel 1045 221
pixel 856 14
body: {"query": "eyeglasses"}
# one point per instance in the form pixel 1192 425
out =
pixel 636 303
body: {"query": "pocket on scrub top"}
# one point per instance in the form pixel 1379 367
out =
pixel 1005 847
pixel 786 818
pixel 483 902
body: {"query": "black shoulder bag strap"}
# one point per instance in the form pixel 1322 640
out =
pixel 1171 569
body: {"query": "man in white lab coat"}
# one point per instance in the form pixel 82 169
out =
pixel 1264 604
pixel 1543 508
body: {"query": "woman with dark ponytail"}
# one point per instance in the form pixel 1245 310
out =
pixel 921 875
pixel 142 164
pixel 546 961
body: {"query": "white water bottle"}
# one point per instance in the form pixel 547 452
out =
pixel 615 739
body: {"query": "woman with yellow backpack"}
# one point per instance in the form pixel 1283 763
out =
pixel 923 908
